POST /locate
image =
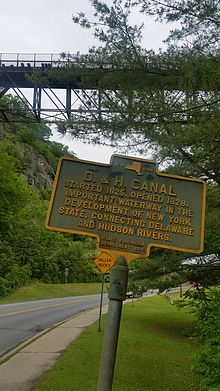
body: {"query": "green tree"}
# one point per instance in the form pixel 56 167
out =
pixel 165 102
pixel 198 22
pixel 14 194
pixel 205 304
pixel 28 249
pixel 76 255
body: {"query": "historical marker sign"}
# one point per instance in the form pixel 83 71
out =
pixel 128 206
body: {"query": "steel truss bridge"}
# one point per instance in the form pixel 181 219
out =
pixel 48 97
pixel 54 87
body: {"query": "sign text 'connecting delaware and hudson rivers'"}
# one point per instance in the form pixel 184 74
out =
pixel 128 206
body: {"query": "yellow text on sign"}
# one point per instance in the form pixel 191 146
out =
pixel 104 262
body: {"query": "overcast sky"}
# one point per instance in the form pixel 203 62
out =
pixel 45 26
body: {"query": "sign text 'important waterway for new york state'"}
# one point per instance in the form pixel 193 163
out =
pixel 127 205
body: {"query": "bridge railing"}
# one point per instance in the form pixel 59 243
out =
pixel 33 60
pixel 48 60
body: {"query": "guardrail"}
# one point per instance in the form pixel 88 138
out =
pixel 33 60
pixel 48 60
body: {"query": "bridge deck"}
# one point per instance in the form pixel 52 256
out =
pixel 61 86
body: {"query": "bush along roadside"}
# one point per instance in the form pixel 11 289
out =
pixel 17 277
pixel 205 304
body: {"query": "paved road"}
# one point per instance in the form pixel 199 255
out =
pixel 20 321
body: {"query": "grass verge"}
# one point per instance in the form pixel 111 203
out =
pixel 153 354
pixel 38 291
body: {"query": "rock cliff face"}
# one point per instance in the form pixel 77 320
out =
pixel 4 130
pixel 38 170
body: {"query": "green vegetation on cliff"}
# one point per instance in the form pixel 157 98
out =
pixel 28 162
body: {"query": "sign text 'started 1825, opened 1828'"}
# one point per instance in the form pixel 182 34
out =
pixel 128 206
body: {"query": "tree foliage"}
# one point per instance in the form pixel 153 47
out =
pixel 205 304
pixel 198 22
pixel 29 251
pixel 166 102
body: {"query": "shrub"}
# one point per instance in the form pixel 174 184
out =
pixel 18 276
pixel 205 304
pixel 4 287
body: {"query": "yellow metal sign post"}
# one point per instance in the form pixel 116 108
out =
pixel 129 207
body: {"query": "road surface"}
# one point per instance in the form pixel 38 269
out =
pixel 20 321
